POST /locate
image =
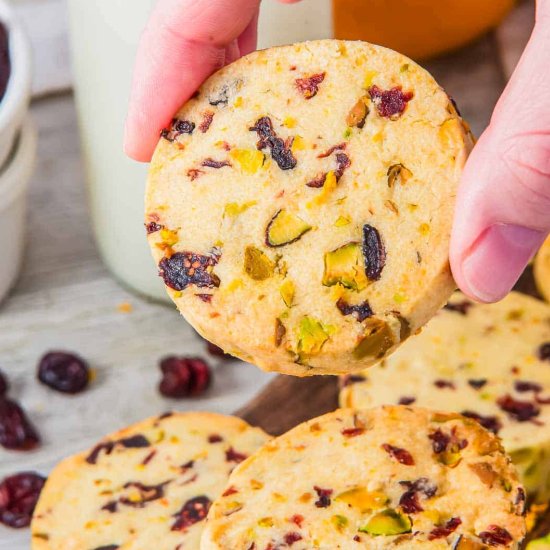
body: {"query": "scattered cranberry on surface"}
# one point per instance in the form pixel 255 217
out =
pixel 18 497
pixel 4 386
pixel 64 372
pixel 184 376
pixel 16 431
pixel 193 511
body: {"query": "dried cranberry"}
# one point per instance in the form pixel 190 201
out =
pixel 343 162
pixel 193 511
pixel 401 455
pixel 422 485
pixel 491 423
pixel 361 311
pixel 211 163
pixel 64 372
pixel 187 268
pixel 280 150
pixel 390 103
pixel 523 386
pixel 410 503
pixel 152 227
pixel 496 536
pixel 353 432
pixel 4 386
pixel 231 455
pixel 16 431
pixel 292 537
pixel 521 411
pixel 441 384
pixel 217 351
pixel 440 441
pixel 460 307
pixel 297 519
pixel 137 441
pixel 18 497
pixel 318 182
pixel 324 497
pixel 478 383
pixel 108 547
pixel 309 87
pixel 544 352
pixel 215 438
pixel 177 128
pixel 207 119
pixel 444 530
pixel 406 400
pixel 328 152
pixel 147 493
pixel 184 376
pixel 374 252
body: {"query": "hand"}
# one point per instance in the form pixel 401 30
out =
pixel 503 209
pixel 184 42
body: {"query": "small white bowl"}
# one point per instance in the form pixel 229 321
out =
pixel 15 103
pixel 14 179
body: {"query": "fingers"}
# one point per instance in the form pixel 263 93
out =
pixel 183 43
pixel 503 207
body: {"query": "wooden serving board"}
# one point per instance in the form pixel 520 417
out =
pixel 287 401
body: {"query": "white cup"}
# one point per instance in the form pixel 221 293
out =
pixel 14 179
pixel 15 104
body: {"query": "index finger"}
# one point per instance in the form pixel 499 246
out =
pixel 183 44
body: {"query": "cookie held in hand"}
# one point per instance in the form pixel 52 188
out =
pixel 299 207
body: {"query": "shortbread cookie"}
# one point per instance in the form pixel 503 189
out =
pixel 489 362
pixel 391 477
pixel 299 207
pixel 541 270
pixel 148 486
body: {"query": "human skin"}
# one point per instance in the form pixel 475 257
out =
pixel 503 207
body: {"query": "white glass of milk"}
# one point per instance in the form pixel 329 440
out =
pixel 104 37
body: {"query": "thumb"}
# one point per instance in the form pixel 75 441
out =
pixel 503 206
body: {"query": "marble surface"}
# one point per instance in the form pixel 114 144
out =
pixel 66 299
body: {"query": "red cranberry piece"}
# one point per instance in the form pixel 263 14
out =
pixel 183 269
pixel 4 386
pixel 18 497
pixel 16 431
pixel 374 252
pixel 324 497
pixel 390 103
pixel 401 455
pixel 544 351
pixel 496 536
pixel 361 311
pixel 522 386
pixel 477 383
pixel 407 400
pixel 292 537
pixel 64 372
pixel 309 86
pixel 442 384
pixel 522 411
pixel 231 455
pixel 440 441
pixel 460 307
pixel 410 503
pixel 444 530
pixel 192 512
pixel 491 423
pixel 184 376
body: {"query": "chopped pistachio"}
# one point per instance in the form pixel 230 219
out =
pixel 287 292
pixel 344 266
pixel 257 265
pixel 387 523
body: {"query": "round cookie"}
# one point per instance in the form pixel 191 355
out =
pixel 541 270
pixel 490 362
pixel 147 486
pixel 299 207
pixel 391 477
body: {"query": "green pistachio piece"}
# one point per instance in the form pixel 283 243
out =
pixel 257 265
pixel 285 228
pixel 377 340
pixel 345 266
pixel 388 522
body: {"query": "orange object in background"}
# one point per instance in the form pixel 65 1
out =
pixel 417 28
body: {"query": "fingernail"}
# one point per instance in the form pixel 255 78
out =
pixel 497 260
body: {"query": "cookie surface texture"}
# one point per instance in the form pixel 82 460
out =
pixel 391 477
pixel 299 207
pixel 489 362
pixel 148 486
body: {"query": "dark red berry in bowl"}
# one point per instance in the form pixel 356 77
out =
pixel 64 372
pixel 4 386
pixel 184 376
pixel 16 431
pixel 18 497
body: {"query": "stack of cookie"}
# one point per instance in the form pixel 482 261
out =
pixel 299 209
